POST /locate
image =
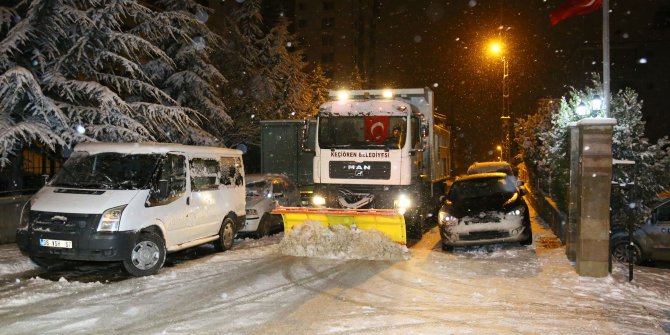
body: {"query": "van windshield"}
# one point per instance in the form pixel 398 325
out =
pixel 108 170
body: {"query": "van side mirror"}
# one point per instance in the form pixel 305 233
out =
pixel 162 188
pixel 304 145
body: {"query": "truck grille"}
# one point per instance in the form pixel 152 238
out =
pixel 355 170
pixel 62 222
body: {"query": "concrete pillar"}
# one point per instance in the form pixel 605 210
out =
pixel 573 206
pixel 594 187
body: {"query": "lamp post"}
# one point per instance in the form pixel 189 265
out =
pixel 497 49
pixel 499 148
pixel 583 109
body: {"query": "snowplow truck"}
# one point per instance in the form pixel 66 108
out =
pixel 379 159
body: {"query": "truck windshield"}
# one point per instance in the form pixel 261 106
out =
pixel 108 171
pixel 362 132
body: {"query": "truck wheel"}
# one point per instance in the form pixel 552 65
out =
pixel 147 256
pixel 264 226
pixel 414 226
pixel 226 235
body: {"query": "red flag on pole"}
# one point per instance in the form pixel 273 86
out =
pixel 572 8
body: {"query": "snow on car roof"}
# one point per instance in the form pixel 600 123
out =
pixel 151 147
pixel 479 167
pixel 255 177
pixel 482 176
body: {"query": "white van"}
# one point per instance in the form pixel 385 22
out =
pixel 134 202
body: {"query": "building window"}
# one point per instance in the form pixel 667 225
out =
pixel 328 22
pixel 327 40
pixel 328 5
pixel 327 57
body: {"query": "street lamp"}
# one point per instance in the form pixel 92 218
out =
pixel 594 105
pixel 497 49
pixel 499 148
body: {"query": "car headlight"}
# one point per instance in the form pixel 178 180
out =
pixel 446 219
pixel 25 216
pixel 252 212
pixel 318 200
pixel 110 219
pixel 519 211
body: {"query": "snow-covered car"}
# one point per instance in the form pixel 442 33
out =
pixel 487 167
pixel 484 208
pixel 264 193
pixel 651 240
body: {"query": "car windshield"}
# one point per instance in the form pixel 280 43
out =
pixel 362 132
pixel 482 187
pixel 257 188
pixel 108 170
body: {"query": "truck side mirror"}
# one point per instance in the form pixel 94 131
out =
pixel 305 137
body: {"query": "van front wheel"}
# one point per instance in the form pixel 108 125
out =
pixel 226 235
pixel 147 256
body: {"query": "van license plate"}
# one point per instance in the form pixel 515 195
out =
pixel 55 243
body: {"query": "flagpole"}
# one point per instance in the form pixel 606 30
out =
pixel 606 58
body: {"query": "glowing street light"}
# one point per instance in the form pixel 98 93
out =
pixel 499 148
pixel 497 49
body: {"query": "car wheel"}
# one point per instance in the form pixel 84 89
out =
pixel 620 252
pixel 226 235
pixel 446 247
pixel 529 239
pixel 46 263
pixel 147 256
pixel 264 226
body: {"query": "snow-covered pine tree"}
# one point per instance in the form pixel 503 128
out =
pixel 195 82
pixel 290 89
pixel 319 85
pixel 644 181
pixel 77 69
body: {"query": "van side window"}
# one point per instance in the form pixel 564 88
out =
pixel 231 171
pixel 170 181
pixel 204 174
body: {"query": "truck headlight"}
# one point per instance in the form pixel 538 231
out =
pixel 110 219
pixel 25 216
pixel 318 200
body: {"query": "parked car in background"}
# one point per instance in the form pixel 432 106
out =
pixel 486 167
pixel 651 240
pixel 264 193
pixel 484 208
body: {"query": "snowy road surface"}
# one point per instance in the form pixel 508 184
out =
pixel 253 289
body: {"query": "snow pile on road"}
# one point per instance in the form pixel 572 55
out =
pixel 340 242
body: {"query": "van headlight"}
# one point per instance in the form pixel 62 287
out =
pixel 110 219
pixel 318 200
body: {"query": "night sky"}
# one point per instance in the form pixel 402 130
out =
pixel 442 44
